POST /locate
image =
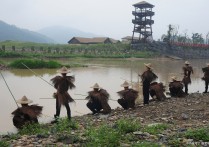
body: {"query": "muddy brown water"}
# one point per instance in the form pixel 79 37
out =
pixel 108 73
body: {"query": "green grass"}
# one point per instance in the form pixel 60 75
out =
pixel 103 136
pixel 41 50
pixel 24 63
pixel 127 126
pixel 34 128
pixel 155 129
pixel 198 134
pixel 4 144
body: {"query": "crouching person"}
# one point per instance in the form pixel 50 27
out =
pixel 157 91
pixel 98 100
pixel 26 114
pixel 176 88
pixel 128 96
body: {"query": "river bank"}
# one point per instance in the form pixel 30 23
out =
pixel 173 122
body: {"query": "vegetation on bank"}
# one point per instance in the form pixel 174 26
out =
pixel 24 63
pixel 12 49
pixel 125 132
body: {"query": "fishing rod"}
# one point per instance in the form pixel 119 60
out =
pixel 87 95
pixel 9 89
pixel 55 98
pixel 37 74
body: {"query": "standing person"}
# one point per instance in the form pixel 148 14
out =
pixel 206 77
pixel 62 84
pixel 188 70
pixel 176 88
pixel 128 96
pixel 147 77
pixel 26 114
pixel 98 100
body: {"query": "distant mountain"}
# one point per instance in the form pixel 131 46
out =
pixel 11 32
pixel 63 34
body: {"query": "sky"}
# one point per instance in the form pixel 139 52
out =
pixel 110 18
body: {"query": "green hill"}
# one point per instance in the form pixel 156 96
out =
pixel 11 32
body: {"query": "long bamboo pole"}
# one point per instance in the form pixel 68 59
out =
pixel 37 74
pixel 9 89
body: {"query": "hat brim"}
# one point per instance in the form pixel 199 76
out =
pixel 60 71
pixel 24 102
pixel 147 65
pixel 96 87
pixel 124 85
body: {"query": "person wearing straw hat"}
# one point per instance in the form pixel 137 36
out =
pixel 188 70
pixel 128 96
pixel 176 87
pixel 157 91
pixel 62 84
pixel 206 77
pixel 98 100
pixel 147 77
pixel 26 114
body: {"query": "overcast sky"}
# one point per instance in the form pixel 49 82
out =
pixel 111 18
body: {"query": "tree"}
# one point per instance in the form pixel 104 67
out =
pixel 207 38
pixel 197 38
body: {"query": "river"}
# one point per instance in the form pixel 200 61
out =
pixel 108 73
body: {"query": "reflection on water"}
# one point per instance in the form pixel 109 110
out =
pixel 108 73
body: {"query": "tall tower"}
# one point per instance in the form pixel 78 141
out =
pixel 142 21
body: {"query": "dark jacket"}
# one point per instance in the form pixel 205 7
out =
pixel 176 89
pixel 206 74
pixel 157 89
pixel 25 115
pixel 62 84
pixel 188 70
pixel 100 100
pixel 128 98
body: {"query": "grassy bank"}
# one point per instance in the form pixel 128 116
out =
pixel 35 64
pixel 123 132
pixel 13 49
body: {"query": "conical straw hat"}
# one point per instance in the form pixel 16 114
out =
pixel 63 70
pixel 125 84
pixel 186 62
pixel 24 100
pixel 174 78
pixel 149 65
pixel 96 86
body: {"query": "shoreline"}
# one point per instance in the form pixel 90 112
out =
pixel 178 115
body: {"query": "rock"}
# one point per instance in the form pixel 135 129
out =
pixel 124 145
pixel 184 116
pixel 138 133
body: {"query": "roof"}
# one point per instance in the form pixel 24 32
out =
pixel 143 4
pixel 94 40
pixel 130 38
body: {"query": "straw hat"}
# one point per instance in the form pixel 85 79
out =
pixel 96 86
pixel 187 62
pixel 125 84
pixel 63 70
pixel 149 65
pixel 174 78
pixel 24 100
